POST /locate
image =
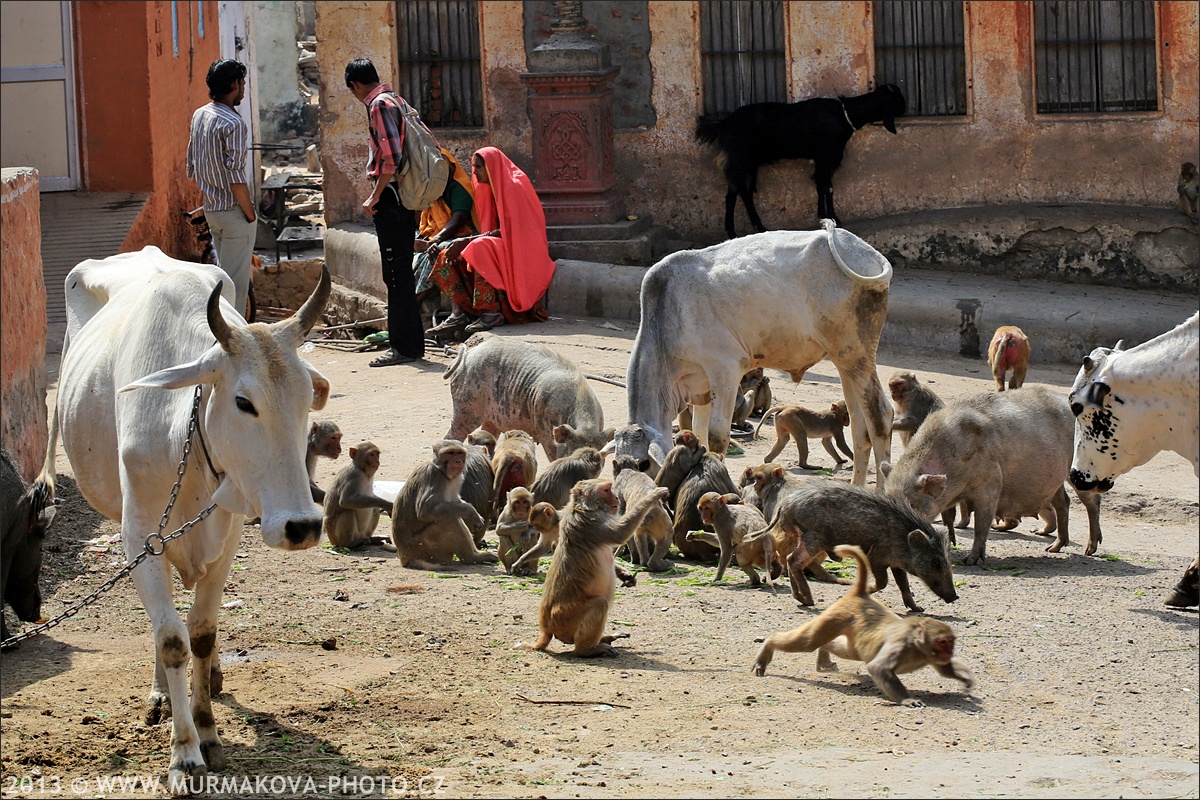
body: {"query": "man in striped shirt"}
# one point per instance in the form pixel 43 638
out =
pixel 216 160
pixel 395 225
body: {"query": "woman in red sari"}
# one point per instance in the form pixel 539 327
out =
pixel 500 275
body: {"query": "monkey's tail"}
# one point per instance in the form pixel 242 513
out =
pixel 864 566
pixel 770 412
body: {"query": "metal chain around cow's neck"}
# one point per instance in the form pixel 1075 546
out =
pixel 155 545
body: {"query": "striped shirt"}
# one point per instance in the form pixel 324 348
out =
pixel 216 155
pixel 386 125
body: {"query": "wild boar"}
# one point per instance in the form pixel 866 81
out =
pixel 824 513
pixel 501 384
pixel 1007 455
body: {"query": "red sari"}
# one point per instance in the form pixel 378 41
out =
pixel 509 273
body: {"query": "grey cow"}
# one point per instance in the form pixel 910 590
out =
pixel 502 384
pixel 783 299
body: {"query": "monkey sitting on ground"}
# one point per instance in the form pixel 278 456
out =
pixel 324 440
pixel 554 484
pixel 913 403
pixel 431 523
pixel 762 397
pixel 741 411
pixel 581 582
pixel 652 540
pixel 513 528
pixel 545 521
pixel 514 463
pixel 801 424
pixel 860 628
pixel 744 527
pixel 1189 190
pixel 1009 350
pixel 352 508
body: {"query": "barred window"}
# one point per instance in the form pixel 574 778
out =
pixel 920 46
pixel 439 66
pixel 741 54
pixel 1095 56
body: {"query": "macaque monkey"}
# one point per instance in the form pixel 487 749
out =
pixel 545 521
pixel 762 397
pixel 481 438
pixel 513 528
pixel 744 528
pixel 741 411
pixel 801 424
pixel 325 440
pixel 679 461
pixel 352 508
pixel 1009 350
pixel 913 403
pixel 581 582
pixel 860 628
pixel 514 464
pixel 652 540
pixel 431 523
pixel 1189 190
pixel 554 484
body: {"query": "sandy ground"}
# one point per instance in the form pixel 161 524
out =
pixel 1087 684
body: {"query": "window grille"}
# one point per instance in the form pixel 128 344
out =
pixel 742 54
pixel 1095 56
pixel 920 46
pixel 439 66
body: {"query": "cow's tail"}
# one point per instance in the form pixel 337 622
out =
pixel 44 486
pixel 456 363
pixel 885 272
pixel 707 130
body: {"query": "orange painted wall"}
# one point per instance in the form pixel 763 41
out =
pixel 114 94
pixel 137 107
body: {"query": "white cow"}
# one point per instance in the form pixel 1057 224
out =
pixel 1131 404
pixel 783 299
pixel 139 338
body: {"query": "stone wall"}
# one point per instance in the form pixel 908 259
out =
pixel 22 322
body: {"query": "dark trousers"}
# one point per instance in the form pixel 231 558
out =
pixel 395 227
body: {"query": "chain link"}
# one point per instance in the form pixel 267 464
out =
pixel 155 545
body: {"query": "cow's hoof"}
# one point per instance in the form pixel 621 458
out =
pixel 186 778
pixel 1179 599
pixel 158 708
pixel 214 754
pixel 216 680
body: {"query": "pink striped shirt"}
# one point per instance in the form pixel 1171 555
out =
pixel 386 125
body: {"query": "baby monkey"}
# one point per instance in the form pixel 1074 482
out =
pixel 1189 190
pixel 860 628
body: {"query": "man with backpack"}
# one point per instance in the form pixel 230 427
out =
pixel 395 225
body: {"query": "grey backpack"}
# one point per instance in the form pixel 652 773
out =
pixel 424 171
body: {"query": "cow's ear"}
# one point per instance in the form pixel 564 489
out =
pixel 320 387
pixel 198 371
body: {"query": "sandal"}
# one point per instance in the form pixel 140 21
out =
pixel 451 323
pixel 391 358
pixel 486 323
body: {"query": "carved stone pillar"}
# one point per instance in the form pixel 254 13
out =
pixel 571 106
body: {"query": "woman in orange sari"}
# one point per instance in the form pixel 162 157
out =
pixel 500 275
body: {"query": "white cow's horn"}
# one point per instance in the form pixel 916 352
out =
pixel 310 312
pixel 216 322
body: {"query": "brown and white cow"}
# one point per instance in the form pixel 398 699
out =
pixel 783 299
pixel 143 331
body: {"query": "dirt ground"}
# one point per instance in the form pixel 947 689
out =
pixel 1087 683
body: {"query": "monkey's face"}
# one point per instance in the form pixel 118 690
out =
pixel 453 463
pixel 333 446
pixel 843 414
pixel 371 459
pixel 898 388
pixel 520 507
pixel 604 493
pixel 940 640
pixel 687 439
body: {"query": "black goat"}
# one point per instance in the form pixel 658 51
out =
pixel 763 133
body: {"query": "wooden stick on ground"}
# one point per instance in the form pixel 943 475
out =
pixel 569 702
